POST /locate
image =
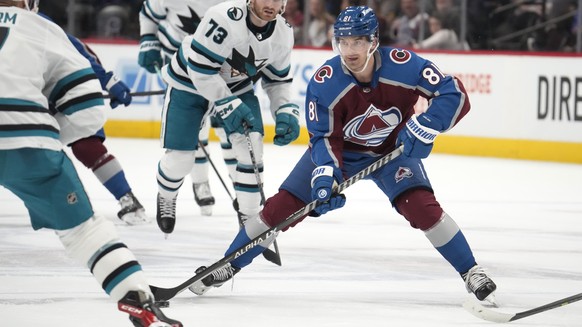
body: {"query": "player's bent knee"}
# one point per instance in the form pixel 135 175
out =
pixel 176 164
pixel 280 206
pixel 420 207
pixel 89 150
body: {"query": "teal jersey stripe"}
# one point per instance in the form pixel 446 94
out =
pixel 207 53
pixel 280 73
pixel 19 102
pixel 68 79
pixel 82 105
pixel 29 133
pixel 173 41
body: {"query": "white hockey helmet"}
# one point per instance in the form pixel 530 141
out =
pixel 30 5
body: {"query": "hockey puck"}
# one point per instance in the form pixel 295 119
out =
pixel 163 304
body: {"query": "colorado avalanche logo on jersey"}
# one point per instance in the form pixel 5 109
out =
pixel 372 127
pixel 322 73
pixel 400 56
pixel 402 173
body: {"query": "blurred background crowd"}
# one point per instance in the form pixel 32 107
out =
pixel 523 25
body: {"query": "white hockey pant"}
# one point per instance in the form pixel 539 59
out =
pixel 172 168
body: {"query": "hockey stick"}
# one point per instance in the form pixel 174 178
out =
pixel 140 94
pixel 479 311
pixel 214 168
pixel 163 294
pixel 270 255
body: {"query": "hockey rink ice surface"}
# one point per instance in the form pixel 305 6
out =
pixel 359 266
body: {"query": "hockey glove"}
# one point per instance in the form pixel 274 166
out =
pixel 149 54
pixel 418 136
pixel 233 113
pixel 119 92
pixel 286 124
pixel 323 181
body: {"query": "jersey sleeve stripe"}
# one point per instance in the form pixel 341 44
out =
pixel 148 11
pixel 203 69
pixel 203 51
pixel 269 80
pixel 237 86
pixel 69 82
pixel 279 73
pixel 79 103
pixel 180 79
pixel 175 43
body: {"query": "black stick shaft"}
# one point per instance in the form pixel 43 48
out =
pixel 140 94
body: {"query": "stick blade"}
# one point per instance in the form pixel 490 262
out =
pixel 272 256
pixel 479 311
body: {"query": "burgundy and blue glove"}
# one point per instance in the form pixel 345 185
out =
pixel 418 136
pixel 323 182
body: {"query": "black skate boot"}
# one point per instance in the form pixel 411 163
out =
pixel 478 283
pixel 216 279
pixel 204 198
pixel 132 212
pixel 166 214
pixel 143 312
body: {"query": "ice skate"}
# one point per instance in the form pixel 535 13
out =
pixel 478 283
pixel 143 312
pixel 216 279
pixel 132 212
pixel 166 214
pixel 204 198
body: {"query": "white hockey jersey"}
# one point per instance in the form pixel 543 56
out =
pixel 227 55
pixel 172 20
pixel 41 69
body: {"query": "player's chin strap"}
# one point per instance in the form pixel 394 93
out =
pixel 371 51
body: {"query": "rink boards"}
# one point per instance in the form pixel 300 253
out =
pixel 525 106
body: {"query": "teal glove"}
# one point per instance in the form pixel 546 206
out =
pixel 149 53
pixel 286 124
pixel 233 113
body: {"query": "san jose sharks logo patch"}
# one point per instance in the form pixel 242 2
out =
pixel 372 127
pixel 246 65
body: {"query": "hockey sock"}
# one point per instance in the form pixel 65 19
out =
pixel 93 154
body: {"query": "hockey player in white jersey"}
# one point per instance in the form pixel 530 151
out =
pixel 40 69
pixel 236 43
pixel 163 26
